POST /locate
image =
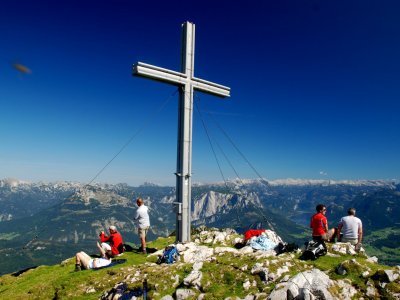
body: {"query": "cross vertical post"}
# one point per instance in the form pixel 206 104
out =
pixel 184 161
pixel 187 83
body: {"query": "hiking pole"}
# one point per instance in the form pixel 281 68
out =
pixel 145 289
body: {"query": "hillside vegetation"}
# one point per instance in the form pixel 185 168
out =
pixel 210 268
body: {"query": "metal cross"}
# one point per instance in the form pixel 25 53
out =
pixel 187 83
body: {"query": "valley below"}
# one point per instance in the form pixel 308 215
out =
pixel 45 223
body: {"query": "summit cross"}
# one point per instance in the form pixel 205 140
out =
pixel 187 83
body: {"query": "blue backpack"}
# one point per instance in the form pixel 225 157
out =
pixel 169 256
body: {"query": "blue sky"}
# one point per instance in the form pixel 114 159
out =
pixel 314 84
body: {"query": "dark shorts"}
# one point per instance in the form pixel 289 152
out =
pixel 320 239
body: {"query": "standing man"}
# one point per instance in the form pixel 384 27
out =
pixel 112 244
pixel 351 227
pixel 143 222
pixel 319 224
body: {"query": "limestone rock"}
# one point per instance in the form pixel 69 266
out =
pixel 184 294
pixel 347 291
pixel 192 253
pixel 246 285
pixel 246 250
pixel 391 275
pixel 305 285
pixel 372 259
pixel 193 279
pixel 218 250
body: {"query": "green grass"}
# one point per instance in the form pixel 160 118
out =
pixel 376 242
pixel 9 236
pixel 60 281
pixel 47 282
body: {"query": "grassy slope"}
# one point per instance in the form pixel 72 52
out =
pixel 61 282
pixel 221 278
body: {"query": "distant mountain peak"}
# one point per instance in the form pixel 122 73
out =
pixel 149 184
pixel 12 182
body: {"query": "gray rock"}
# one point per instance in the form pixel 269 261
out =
pixel 197 266
pixel 184 294
pixel 90 290
pixel 257 268
pixel 201 296
pixel 246 285
pixel 391 275
pixel 218 250
pixel 193 279
pixel 347 291
pixel 246 250
pixel 365 274
pixel 371 292
pixel 341 270
pixel 260 296
pixel 116 292
pixel 385 276
pixel 282 270
pixel 305 285
pixel 372 259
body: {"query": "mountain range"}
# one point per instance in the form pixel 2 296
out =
pixel 43 223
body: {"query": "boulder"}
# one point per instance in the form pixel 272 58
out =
pixel 192 253
pixel 305 285
pixel 193 279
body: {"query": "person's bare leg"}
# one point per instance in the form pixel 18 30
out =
pixel 77 259
pixel 143 242
pixel 77 262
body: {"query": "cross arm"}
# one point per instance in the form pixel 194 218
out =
pixel 159 74
pixel 210 88
pixel 179 79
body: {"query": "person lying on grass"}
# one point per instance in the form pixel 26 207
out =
pixel 84 261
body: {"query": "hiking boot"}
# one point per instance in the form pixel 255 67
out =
pixel 77 267
pixel 144 251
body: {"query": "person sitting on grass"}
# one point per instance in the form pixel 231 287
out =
pixel 84 261
pixel 112 244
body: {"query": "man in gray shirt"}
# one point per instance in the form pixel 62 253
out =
pixel 351 228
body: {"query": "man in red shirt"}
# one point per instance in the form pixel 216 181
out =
pixel 112 244
pixel 319 224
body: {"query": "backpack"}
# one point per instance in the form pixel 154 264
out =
pixel 121 248
pixel 285 247
pixel 169 256
pixel 313 250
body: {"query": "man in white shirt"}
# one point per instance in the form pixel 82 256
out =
pixel 351 228
pixel 143 222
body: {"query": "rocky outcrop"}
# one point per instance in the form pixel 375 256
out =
pixel 305 285
pixel 211 263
